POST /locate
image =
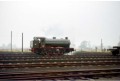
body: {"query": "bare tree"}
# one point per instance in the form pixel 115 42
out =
pixel 85 45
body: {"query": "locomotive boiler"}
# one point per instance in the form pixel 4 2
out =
pixel 53 46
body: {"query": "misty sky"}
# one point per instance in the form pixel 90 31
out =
pixel 78 20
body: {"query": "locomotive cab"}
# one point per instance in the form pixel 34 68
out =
pixel 34 44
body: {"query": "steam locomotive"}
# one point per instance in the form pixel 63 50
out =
pixel 50 46
pixel 115 50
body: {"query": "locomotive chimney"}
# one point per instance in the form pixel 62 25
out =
pixel 66 37
pixel 54 37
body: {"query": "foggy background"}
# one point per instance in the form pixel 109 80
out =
pixel 80 21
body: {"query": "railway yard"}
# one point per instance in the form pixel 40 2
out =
pixel 82 66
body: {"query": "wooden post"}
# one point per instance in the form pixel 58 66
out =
pixel 101 46
pixel 11 41
pixel 22 42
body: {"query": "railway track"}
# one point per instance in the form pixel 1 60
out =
pixel 61 74
pixel 57 60
pixel 32 55
pixel 17 66
pixel 60 64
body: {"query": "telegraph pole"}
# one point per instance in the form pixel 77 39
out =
pixel 11 41
pixel 22 42
pixel 101 46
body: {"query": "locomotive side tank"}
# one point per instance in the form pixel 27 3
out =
pixel 47 46
pixel 57 42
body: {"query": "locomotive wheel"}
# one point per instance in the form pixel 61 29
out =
pixel 37 52
pixel 115 52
